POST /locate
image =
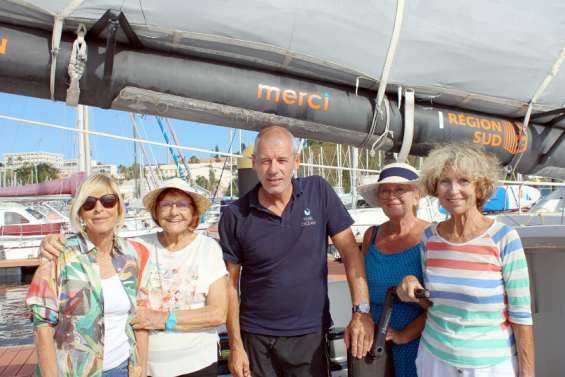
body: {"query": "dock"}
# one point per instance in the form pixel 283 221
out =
pixel 11 263
pixel 18 361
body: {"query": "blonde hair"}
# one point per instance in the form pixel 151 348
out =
pixel 195 213
pixel 467 159
pixel 93 183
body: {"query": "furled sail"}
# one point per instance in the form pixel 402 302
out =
pixel 61 186
pixel 482 72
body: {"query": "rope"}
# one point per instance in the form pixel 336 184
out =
pixel 408 126
pixel 77 66
pixel 387 132
pixel 377 144
pixel 399 16
pixel 58 21
pixel 541 89
pixel 55 43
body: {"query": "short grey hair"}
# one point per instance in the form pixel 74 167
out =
pixel 266 130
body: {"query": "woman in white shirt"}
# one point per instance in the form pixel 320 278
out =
pixel 183 287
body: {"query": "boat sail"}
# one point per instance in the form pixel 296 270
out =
pixel 320 70
pixel 62 186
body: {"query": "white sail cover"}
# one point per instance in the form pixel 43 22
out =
pixel 484 55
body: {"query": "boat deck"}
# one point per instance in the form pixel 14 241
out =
pixel 336 271
pixel 17 361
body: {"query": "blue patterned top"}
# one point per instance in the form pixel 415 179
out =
pixel 386 270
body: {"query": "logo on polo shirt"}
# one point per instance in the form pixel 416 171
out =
pixel 308 220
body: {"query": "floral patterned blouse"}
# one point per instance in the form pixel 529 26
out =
pixel 66 294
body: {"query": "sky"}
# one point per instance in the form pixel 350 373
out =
pixel 18 137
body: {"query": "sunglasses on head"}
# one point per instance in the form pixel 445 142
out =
pixel 107 201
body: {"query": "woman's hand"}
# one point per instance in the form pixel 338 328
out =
pixel 407 287
pixel 147 319
pixel 52 245
pixel 397 337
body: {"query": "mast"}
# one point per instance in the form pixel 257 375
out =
pixel 339 171
pixel 137 187
pixel 354 158
pixel 231 164
pixel 83 140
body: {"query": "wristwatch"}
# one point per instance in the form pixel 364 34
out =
pixel 171 322
pixel 363 307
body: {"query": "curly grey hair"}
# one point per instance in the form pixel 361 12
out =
pixel 466 159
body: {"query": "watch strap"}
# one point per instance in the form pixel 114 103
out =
pixel 171 322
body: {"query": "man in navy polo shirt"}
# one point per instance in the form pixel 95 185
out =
pixel 276 237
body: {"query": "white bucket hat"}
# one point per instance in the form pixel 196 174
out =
pixel 202 204
pixel 398 172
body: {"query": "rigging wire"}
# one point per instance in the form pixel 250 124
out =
pixel 222 172
pixel 150 142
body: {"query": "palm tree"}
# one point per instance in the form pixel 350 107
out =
pixel 46 172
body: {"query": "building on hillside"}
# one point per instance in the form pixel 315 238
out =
pixel 109 169
pixel 200 169
pixel 69 167
pixel 18 159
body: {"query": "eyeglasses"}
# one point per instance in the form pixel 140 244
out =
pixel 386 193
pixel 107 201
pixel 181 205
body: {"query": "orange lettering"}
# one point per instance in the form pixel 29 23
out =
pixel 485 124
pixel 3 46
pixel 292 97
pixel 477 137
pixel 289 97
pixel 311 104
pixel 452 118
pixel 495 124
pixel 472 122
pixel 268 90
pixel 301 96
pixel 496 140
pixel 461 118
pixel 487 140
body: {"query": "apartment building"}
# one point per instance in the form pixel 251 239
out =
pixel 19 159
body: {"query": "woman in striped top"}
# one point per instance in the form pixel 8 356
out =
pixel 480 323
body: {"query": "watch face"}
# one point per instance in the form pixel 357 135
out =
pixel 362 308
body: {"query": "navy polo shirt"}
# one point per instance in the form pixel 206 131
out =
pixel 284 277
